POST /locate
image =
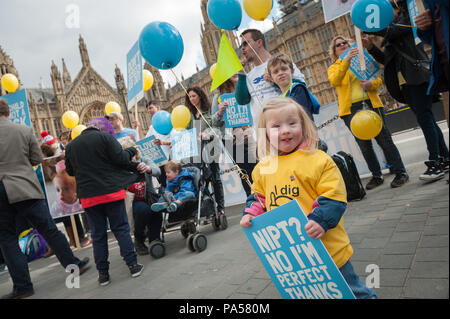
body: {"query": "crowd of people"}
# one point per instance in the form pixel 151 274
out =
pixel 280 148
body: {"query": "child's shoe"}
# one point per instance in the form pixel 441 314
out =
pixel 157 207
pixel 172 207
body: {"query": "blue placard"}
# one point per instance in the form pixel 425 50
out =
pixel 299 266
pixel 135 83
pixel 372 68
pixel 235 115
pixel 413 13
pixel 151 150
pixel 18 107
pixel 184 144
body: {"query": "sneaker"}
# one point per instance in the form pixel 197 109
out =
pixel 399 180
pixel 18 295
pixel 84 265
pixel 172 207
pixel 374 182
pixel 157 207
pixel 433 173
pixel 141 248
pixel 103 278
pixel 136 270
pixel 444 165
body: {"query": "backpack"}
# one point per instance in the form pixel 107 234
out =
pixel 32 244
pixel 353 184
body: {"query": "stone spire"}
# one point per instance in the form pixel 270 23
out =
pixel 66 76
pixel 84 53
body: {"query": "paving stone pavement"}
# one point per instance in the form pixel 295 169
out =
pixel 404 232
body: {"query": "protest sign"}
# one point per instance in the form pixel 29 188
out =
pixel 235 115
pixel 135 83
pixel 299 266
pixel 333 9
pixel 149 149
pixel 18 107
pixel 413 10
pixel 372 70
pixel 184 144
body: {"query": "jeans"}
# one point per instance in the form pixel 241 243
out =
pixel 359 289
pixel 217 186
pixel 117 216
pixel 384 140
pixel 145 217
pixel 184 196
pixel 37 213
pixel 421 104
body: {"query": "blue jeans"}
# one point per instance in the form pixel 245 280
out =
pixel 384 140
pixel 145 217
pixel 421 104
pixel 118 221
pixel 184 196
pixel 37 213
pixel 359 289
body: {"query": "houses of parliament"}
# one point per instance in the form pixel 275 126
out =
pixel 301 33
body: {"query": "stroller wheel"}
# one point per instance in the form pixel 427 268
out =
pixel 185 230
pixel 223 222
pixel 190 242
pixel 157 249
pixel 200 242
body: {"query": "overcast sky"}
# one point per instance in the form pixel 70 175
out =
pixel 35 32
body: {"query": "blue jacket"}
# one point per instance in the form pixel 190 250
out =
pixel 183 183
pixel 314 108
pixel 428 37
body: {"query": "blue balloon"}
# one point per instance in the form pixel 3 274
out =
pixel 372 15
pixel 161 122
pixel 225 14
pixel 161 45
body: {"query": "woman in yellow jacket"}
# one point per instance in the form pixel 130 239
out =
pixel 352 92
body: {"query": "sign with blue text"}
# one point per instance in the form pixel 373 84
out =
pixel 184 144
pixel 372 70
pixel 149 149
pixel 18 107
pixel 235 115
pixel 413 13
pixel 135 83
pixel 299 266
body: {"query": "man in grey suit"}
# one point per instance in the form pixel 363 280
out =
pixel 21 194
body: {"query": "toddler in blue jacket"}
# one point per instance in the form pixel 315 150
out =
pixel 180 188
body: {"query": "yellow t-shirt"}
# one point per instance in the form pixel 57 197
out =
pixel 306 176
pixel 355 87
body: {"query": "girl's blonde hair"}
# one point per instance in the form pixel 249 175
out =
pixel 310 136
pixel 127 142
pixel 332 48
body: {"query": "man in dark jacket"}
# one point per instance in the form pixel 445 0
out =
pixel 103 170
pixel 407 78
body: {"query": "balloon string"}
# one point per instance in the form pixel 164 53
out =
pixel 241 172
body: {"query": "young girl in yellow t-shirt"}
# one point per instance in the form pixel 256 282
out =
pixel 291 168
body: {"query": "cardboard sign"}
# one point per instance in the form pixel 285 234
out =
pixel 372 70
pixel 235 115
pixel 184 144
pixel 413 10
pixel 299 266
pixel 149 149
pixel 135 83
pixel 18 107
pixel 333 9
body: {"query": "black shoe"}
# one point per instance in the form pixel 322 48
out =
pixel 444 165
pixel 103 278
pixel 141 248
pixel 83 265
pixel 17 295
pixel 136 270
pixel 374 182
pixel 399 180
pixel 433 173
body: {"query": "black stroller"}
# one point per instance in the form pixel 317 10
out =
pixel 188 216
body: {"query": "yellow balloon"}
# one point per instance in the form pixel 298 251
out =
pixel 147 77
pixel 10 82
pixel 212 70
pixel 180 117
pixel 366 125
pixel 70 119
pixel 77 131
pixel 258 9
pixel 112 107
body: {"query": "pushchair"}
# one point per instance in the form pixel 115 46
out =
pixel 189 215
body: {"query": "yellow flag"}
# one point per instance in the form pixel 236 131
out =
pixel 228 63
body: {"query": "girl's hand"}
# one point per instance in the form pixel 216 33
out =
pixel 366 85
pixel 351 54
pixel 222 107
pixel 245 220
pixel 314 230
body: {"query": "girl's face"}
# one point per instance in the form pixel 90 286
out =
pixel 66 190
pixel 284 129
pixel 194 98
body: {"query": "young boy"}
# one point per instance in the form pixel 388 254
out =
pixel 281 70
pixel 180 187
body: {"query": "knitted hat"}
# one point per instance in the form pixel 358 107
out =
pixel 47 139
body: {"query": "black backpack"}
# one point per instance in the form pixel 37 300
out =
pixel 353 185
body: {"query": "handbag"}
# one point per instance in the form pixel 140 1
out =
pixel 424 65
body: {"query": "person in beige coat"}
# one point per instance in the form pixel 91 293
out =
pixel 21 194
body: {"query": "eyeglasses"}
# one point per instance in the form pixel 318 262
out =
pixel 338 45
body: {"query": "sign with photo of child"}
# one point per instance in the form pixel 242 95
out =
pixel 235 115
pixel 184 144
pixel 149 149
pixel 299 266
